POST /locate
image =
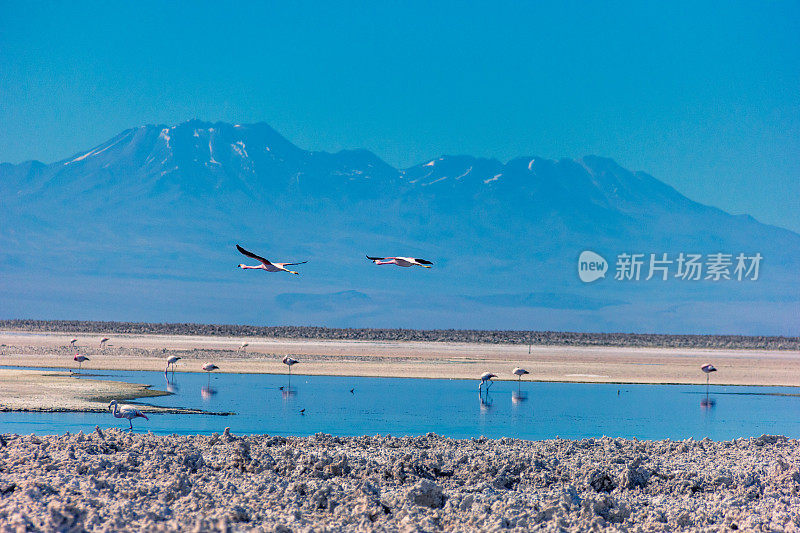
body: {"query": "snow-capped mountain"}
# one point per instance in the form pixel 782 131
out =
pixel 143 227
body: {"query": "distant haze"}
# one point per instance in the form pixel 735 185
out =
pixel 144 226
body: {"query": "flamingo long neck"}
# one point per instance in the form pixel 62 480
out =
pixel 115 412
pixel 253 267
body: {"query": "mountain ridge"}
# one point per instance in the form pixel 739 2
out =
pixel 156 210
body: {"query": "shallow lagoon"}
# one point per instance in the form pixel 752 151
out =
pixel 448 407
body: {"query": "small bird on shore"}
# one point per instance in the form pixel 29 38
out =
pixel 171 360
pixel 126 411
pixel 486 377
pixel 80 359
pixel 210 367
pixel 401 261
pixel 266 264
pixel 103 342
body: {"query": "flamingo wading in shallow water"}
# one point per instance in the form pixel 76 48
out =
pixel 486 377
pixel 401 261
pixel 72 342
pixel 266 264
pixel 171 360
pixel 80 359
pixel 126 411
pixel 708 369
pixel 210 367
pixel 519 372
pixel 103 342
pixel 288 361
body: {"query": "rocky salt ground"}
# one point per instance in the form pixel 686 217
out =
pixel 115 481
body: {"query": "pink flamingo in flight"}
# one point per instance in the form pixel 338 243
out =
pixel 401 261
pixel 266 264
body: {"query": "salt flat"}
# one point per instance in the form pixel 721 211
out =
pixel 113 480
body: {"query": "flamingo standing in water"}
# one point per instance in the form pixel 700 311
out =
pixel 80 359
pixel 103 342
pixel 210 367
pixel 401 261
pixel 171 360
pixel 72 342
pixel 267 265
pixel 288 361
pixel 519 372
pixel 708 369
pixel 486 377
pixel 127 412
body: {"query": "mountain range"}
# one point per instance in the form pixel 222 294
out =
pixel 144 227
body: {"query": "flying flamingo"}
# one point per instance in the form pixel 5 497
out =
pixel 486 377
pixel 210 367
pixel 103 342
pixel 80 359
pixel 127 412
pixel 401 261
pixel 171 360
pixel 267 265
pixel 243 346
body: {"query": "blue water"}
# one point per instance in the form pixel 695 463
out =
pixel 449 407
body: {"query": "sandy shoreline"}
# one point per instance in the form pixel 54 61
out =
pixel 52 391
pixel 408 359
pixel 114 480
pixel 358 358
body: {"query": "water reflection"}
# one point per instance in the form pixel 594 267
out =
pixel 708 403
pixel 415 407
pixel 486 401
pixel 207 392
pixel 288 393
pixel 172 385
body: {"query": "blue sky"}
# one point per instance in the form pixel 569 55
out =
pixel 705 97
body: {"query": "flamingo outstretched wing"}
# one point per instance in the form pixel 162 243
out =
pixel 252 255
pixel 422 261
